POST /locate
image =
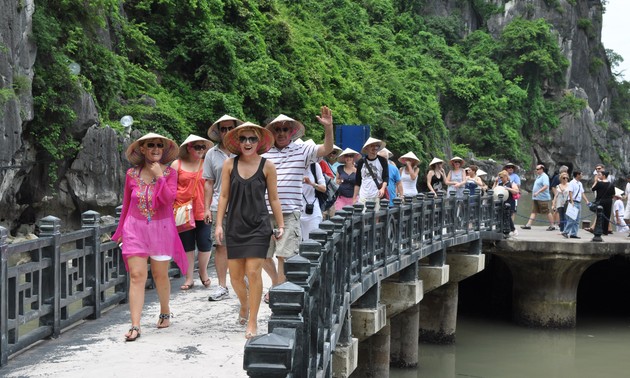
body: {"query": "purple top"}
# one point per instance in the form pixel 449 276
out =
pixel 147 225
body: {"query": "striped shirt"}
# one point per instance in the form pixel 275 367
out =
pixel 291 163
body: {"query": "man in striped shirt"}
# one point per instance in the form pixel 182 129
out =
pixel 291 160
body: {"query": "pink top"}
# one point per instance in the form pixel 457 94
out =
pixel 147 225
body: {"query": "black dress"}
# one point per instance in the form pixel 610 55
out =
pixel 248 227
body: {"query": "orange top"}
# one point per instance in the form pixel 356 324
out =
pixel 185 182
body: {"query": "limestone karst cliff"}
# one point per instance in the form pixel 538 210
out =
pixel 92 178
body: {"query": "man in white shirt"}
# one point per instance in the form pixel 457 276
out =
pixel 291 161
pixel 576 197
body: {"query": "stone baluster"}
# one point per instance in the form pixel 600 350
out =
pixel 50 227
pixel 92 220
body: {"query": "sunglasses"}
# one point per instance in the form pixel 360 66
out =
pixel 281 129
pixel 153 145
pixel 250 140
pixel 226 129
pixel 199 147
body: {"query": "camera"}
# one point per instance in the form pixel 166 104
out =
pixel 309 208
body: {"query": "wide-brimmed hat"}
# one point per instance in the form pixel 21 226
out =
pixel 214 133
pixel 618 192
pixel 456 158
pixel 169 153
pixel 298 128
pixel 409 155
pixel 344 153
pixel 435 161
pixel 481 172
pixel 372 141
pixel 183 149
pixel 510 165
pixel 384 152
pixel 231 142
pixel 336 148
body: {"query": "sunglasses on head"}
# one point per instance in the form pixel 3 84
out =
pixel 250 140
pixel 281 129
pixel 199 147
pixel 153 145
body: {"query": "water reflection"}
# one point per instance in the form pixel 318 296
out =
pixel 486 348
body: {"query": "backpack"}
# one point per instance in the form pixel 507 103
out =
pixel 326 199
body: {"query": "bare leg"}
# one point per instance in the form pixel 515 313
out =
pixel 237 278
pixel 138 277
pixel 159 269
pixel 221 264
pixel 204 258
pixel 551 219
pixel 253 269
pixel 270 268
pixel 281 276
pixel 188 282
pixel 532 216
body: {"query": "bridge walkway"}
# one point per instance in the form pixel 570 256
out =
pixel 203 340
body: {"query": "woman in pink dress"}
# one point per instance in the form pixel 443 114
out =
pixel 147 227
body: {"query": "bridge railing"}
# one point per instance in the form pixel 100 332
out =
pixel 343 262
pixel 57 280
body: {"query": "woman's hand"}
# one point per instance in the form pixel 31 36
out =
pixel 218 234
pixel 156 169
pixel 208 216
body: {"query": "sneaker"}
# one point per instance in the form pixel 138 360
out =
pixel 526 227
pixel 566 236
pixel 551 228
pixel 575 237
pixel 219 294
pixel 514 233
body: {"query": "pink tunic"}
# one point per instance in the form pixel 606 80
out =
pixel 147 225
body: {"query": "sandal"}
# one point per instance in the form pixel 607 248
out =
pixel 266 297
pixel 128 336
pixel 164 318
pixel 187 286
pixel 242 320
pixel 589 229
pixel 205 283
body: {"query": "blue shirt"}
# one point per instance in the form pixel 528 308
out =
pixel 394 178
pixel 541 180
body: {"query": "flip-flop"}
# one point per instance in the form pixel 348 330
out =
pixel 205 283
pixel 187 287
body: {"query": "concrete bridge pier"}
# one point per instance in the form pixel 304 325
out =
pixel 438 309
pixel 374 355
pixel 404 338
pixel 544 290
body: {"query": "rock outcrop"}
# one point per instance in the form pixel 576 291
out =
pixel 94 177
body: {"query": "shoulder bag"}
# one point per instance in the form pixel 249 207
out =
pixel 183 212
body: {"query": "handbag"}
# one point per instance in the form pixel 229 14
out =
pixel 328 198
pixel 369 168
pixel 183 212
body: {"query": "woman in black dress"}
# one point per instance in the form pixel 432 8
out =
pixel 605 192
pixel 245 180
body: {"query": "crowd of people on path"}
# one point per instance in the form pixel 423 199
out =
pixel 254 193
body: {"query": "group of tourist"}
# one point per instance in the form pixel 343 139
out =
pixel 560 200
pixel 253 193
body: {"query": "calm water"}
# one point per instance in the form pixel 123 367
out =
pixel 598 347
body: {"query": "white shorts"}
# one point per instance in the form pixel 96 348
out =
pixel 160 257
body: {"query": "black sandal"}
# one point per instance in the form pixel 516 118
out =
pixel 131 330
pixel 162 318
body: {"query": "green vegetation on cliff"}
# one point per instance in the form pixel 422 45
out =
pixel 379 62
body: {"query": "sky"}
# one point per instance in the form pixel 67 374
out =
pixel 615 32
